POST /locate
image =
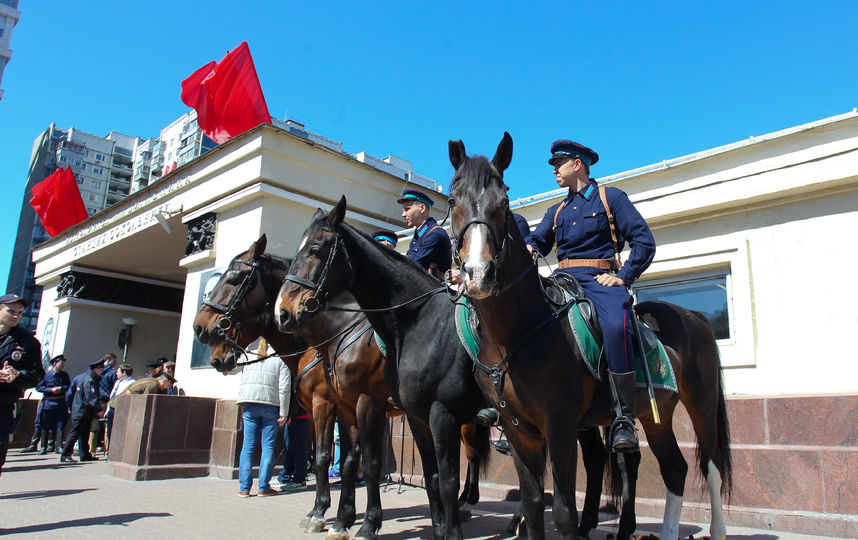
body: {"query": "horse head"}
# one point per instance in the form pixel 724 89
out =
pixel 234 312
pixel 317 272
pixel 479 214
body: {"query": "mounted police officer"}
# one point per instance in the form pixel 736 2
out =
pixel 20 364
pixel 587 249
pixel 53 415
pixel 385 237
pixel 85 406
pixel 430 247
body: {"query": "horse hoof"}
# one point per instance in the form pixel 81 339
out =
pixel 337 535
pixel 313 525
pixel 464 515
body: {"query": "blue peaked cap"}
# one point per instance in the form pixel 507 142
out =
pixel 409 195
pixel 384 234
pixel 564 148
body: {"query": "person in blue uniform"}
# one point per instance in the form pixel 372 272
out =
pixel 20 364
pixel 579 228
pixel 430 247
pixel 54 413
pixel 86 406
pixel 385 237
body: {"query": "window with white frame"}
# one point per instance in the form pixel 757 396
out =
pixel 708 294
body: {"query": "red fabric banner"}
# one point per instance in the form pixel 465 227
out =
pixel 226 95
pixel 57 202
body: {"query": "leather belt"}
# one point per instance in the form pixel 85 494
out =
pixel 604 264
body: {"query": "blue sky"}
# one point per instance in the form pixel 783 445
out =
pixel 638 82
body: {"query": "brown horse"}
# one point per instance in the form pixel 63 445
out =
pixel 236 313
pixel 532 371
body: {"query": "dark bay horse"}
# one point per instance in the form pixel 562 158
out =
pixel 428 372
pixel 540 376
pixel 237 312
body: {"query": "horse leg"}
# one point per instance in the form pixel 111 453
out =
pixel 426 448
pixel 445 435
pixel 563 451
pixel 529 459
pixel 346 509
pixel 674 469
pixel 323 420
pixel 471 491
pixel 595 456
pixel 371 422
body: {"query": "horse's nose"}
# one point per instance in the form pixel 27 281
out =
pixel 284 316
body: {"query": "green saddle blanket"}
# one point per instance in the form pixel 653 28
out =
pixel 660 369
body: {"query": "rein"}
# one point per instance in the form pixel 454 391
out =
pixel 309 348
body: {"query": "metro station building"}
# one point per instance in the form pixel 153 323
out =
pixel 758 234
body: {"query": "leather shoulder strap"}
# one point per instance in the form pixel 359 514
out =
pixel 612 223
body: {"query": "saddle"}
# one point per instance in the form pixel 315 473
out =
pixel 562 289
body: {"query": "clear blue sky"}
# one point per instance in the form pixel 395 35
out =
pixel 637 81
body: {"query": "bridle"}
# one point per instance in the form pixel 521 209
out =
pixel 227 312
pixel 319 298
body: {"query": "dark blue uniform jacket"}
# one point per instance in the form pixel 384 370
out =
pixel 431 245
pixel 87 399
pixel 583 231
pixel 24 353
pixel 53 379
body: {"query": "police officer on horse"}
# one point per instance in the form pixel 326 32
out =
pixel 430 247
pixel 589 228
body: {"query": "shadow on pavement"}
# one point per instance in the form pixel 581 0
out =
pixel 24 495
pixel 48 465
pixel 116 519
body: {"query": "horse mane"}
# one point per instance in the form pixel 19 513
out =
pixel 410 270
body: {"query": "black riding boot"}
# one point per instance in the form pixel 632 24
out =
pixel 623 436
pixel 44 449
pixel 34 443
pixel 52 441
pixel 58 442
pixel 488 417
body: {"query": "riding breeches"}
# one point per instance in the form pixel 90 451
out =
pixel 613 307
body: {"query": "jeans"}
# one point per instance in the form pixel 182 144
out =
pixel 259 420
pixel 296 452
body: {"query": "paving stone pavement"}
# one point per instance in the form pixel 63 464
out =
pixel 39 498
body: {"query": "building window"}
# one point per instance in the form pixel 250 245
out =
pixel 99 157
pixel 79 180
pixel 83 166
pixel 707 294
pixel 96 184
pixel 97 170
pixel 91 197
pixel 63 159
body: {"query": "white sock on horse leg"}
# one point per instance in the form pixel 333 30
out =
pixel 672 513
pixel 717 528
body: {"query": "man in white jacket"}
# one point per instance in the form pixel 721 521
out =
pixel 264 396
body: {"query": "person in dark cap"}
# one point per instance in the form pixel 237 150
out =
pixel 430 247
pixel 588 248
pixel 154 366
pixel 386 237
pixel 53 415
pixel 86 406
pixel 20 364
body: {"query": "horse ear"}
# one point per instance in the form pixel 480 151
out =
pixel 338 213
pixel 503 155
pixel 319 213
pixel 457 153
pixel 259 246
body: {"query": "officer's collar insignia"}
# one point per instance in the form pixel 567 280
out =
pixel 588 191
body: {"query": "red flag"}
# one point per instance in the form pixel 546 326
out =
pixel 226 96
pixel 57 201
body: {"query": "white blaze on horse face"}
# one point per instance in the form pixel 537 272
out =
pixel 717 528
pixel 277 308
pixel 303 243
pixel 475 267
pixel 672 513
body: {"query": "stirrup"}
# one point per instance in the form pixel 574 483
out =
pixel 488 417
pixel 621 423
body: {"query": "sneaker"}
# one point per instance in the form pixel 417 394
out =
pixel 244 494
pixel 293 486
pixel 268 492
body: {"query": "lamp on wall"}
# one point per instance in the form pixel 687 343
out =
pixel 162 216
pixel 125 336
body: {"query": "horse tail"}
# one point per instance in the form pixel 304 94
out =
pixel 722 458
pixel 482 448
pixel 613 476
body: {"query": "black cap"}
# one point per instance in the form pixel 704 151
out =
pixel 155 362
pixel 57 358
pixel 564 148
pixel 11 298
pixel 413 195
pixel 98 363
pixel 385 235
